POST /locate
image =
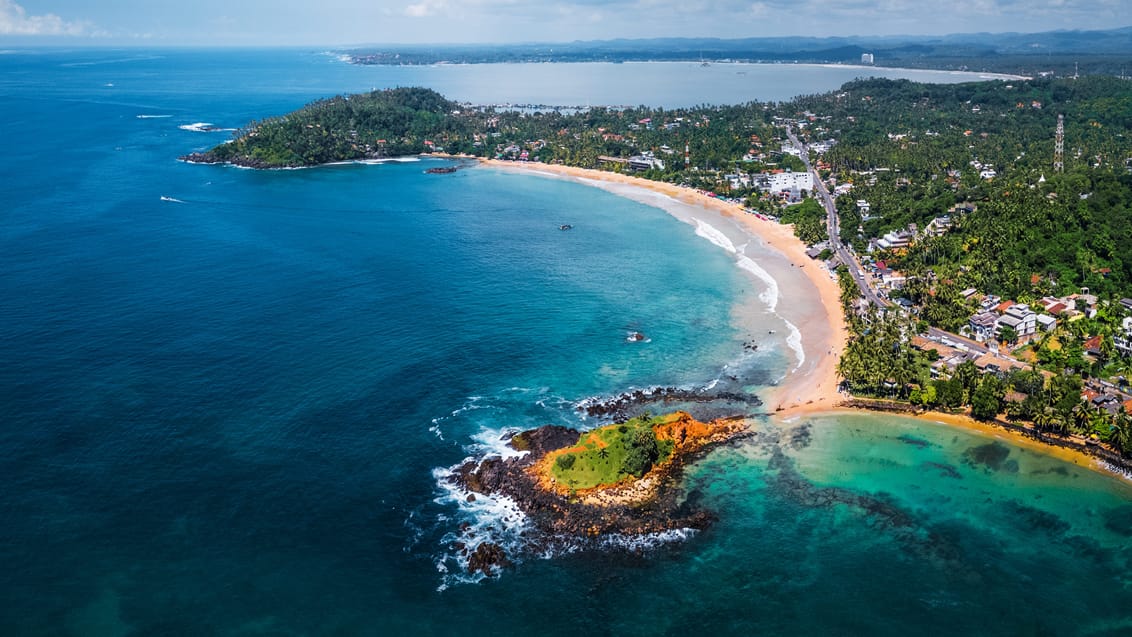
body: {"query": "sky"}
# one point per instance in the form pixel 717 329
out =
pixel 355 22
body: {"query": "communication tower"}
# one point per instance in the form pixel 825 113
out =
pixel 1059 146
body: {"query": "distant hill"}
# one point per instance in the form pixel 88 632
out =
pixel 1059 51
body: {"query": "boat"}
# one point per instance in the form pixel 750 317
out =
pixel 636 337
pixel 565 226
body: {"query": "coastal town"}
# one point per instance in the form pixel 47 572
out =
pixel 1044 342
pixel 909 199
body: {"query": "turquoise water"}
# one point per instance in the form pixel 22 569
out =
pixel 227 414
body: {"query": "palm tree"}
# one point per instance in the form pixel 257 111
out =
pixel 1081 418
pixel 1121 437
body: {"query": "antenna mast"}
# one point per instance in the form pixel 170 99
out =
pixel 1059 146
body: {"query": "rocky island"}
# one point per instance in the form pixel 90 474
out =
pixel 617 479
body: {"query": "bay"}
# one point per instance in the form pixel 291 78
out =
pixel 227 394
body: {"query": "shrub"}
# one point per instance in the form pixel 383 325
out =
pixel 641 452
pixel 565 461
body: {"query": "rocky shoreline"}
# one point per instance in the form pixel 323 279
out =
pixel 628 404
pixel 652 504
pixel 241 162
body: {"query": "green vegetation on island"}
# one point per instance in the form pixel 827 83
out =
pixel 611 454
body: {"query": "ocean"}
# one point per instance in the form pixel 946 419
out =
pixel 230 397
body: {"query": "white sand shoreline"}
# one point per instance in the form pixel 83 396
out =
pixel 811 312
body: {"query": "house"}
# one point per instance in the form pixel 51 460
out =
pixel 1046 323
pixel 785 180
pixel 1123 339
pixel 895 240
pixel 1015 397
pixel 815 250
pixel 1087 303
pixel 1058 309
pixel 791 149
pixel 645 161
pixel 991 364
pixel 938 226
pixel 983 325
pixel 737 181
pixel 1092 346
pixel 893 280
pixel 1019 317
pixel 1126 304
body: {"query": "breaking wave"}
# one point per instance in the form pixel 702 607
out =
pixel 772 293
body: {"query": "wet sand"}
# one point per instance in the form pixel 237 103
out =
pixel 806 296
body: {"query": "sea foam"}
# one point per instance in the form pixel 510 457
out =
pixel 496 519
pixel 771 295
pixel 714 235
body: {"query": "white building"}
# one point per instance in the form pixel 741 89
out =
pixel 777 182
pixel 1123 340
pixel 791 149
pixel 866 58
pixel 983 325
pixel 645 161
pixel 1046 323
pixel 895 240
pixel 939 226
pixel 1020 318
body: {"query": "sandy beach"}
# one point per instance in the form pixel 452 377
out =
pixel 816 330
pixel 813 306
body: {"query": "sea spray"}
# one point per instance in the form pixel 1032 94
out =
pixel 496 519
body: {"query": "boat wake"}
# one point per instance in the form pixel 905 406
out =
pixel 171 199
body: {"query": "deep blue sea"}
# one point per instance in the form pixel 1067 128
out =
pixel 228 397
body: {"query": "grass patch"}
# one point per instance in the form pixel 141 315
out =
pixel 610 454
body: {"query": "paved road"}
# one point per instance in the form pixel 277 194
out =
pixel 933 333
pixel 952 340
pixel 833 224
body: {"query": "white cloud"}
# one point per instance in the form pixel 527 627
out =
pixel 14 20
pixel 424 9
